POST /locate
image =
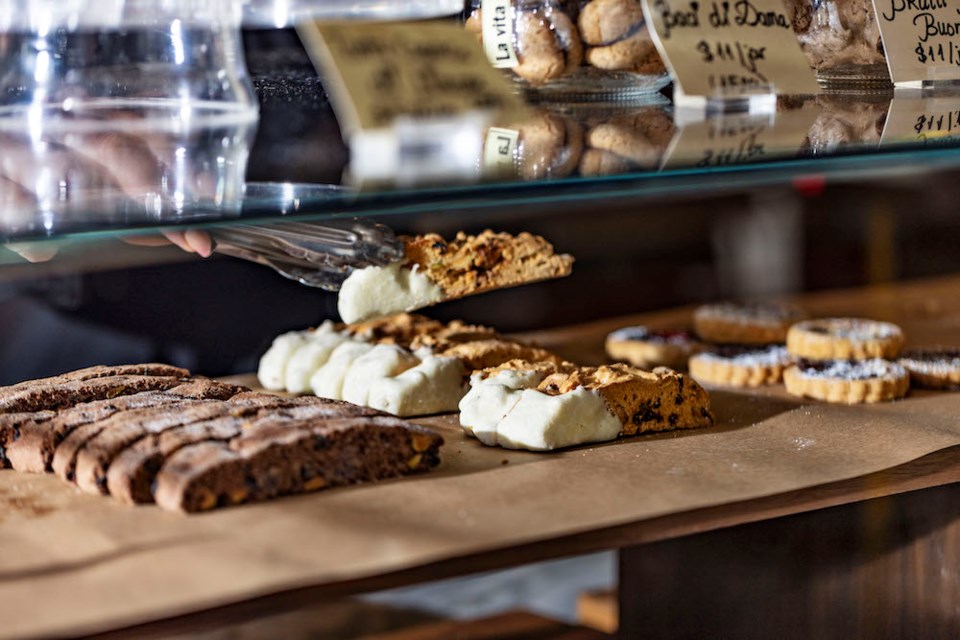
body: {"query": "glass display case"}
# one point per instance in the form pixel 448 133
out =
pixel 844 204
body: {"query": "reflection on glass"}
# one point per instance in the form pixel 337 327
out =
pixel 587 140
pixel 173 60
pixel 122 170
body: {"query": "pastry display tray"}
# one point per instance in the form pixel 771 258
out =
pixel 72 563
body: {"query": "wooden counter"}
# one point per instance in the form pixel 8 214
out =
pixel 73 563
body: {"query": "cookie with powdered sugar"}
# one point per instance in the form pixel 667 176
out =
pixel 649 348
pixel 844 339
pixel 846 381
pixel 750 323
pixel 739 366
pixel 933 367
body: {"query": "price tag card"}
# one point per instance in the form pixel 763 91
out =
pixel 923 120
pixel 921 39
pixel 727 140
pixel 379 73
pixel 720 48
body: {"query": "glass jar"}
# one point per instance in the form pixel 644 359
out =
pixel 841 40
pixel 589 140
pixel 571 49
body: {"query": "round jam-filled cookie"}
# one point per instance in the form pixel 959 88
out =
pixel 756 323
pixel 847 382
pixel 933 367
pixel 844 339
pixel 648 349
pixel 739 366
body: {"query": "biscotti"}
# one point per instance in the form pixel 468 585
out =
pixel 280 456
pixel 32 448
pixel 542 406
pixel 435 270
pixel 405 364
pixel 145 444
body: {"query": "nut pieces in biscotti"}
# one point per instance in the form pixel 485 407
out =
pixel 548 45
pixel 604 22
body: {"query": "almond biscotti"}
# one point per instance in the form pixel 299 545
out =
pixel 406 364
pixel 435 270
pixel 544 406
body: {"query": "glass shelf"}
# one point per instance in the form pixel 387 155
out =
pixel 276 14
pixel 123 177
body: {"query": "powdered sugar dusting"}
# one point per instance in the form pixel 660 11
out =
pixel 852 328
pixel 935 362
pixel 852 370
pixel 751 313
pixel 746 357
pixel 645 334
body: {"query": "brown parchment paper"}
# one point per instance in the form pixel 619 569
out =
pixel 72 563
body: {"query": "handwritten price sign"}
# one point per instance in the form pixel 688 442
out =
pixel 721 47
pixel 921 38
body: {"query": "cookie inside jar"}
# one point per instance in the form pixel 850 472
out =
pixel 841 40
pixel 575 49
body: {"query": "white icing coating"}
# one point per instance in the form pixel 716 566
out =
pixel 767 357
pixel 435 385
pixel 854 370
pixel 490 399
pixel 327 381
pixel 383 361
pixel 273 365
pixel 312 355
pixel 372 292
pixel 506 410
pixel 541 422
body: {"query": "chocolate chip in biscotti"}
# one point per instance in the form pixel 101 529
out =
pixel 635 53
pixel 604 22
pixel 548 45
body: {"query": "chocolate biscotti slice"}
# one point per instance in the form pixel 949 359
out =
pixel 121 425
pixel 280 456
pixel 133 467
pixel 434 270
pixel 105 371
pixel 35 441
pixel 54 396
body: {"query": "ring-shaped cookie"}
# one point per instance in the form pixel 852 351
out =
pixel 933 367
pixel 844 339
pixel 847 382
pixel 739 366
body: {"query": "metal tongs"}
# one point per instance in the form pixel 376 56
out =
pixel 317 254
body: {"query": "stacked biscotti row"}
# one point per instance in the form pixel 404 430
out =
pixel 509 393
pixel 153 433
